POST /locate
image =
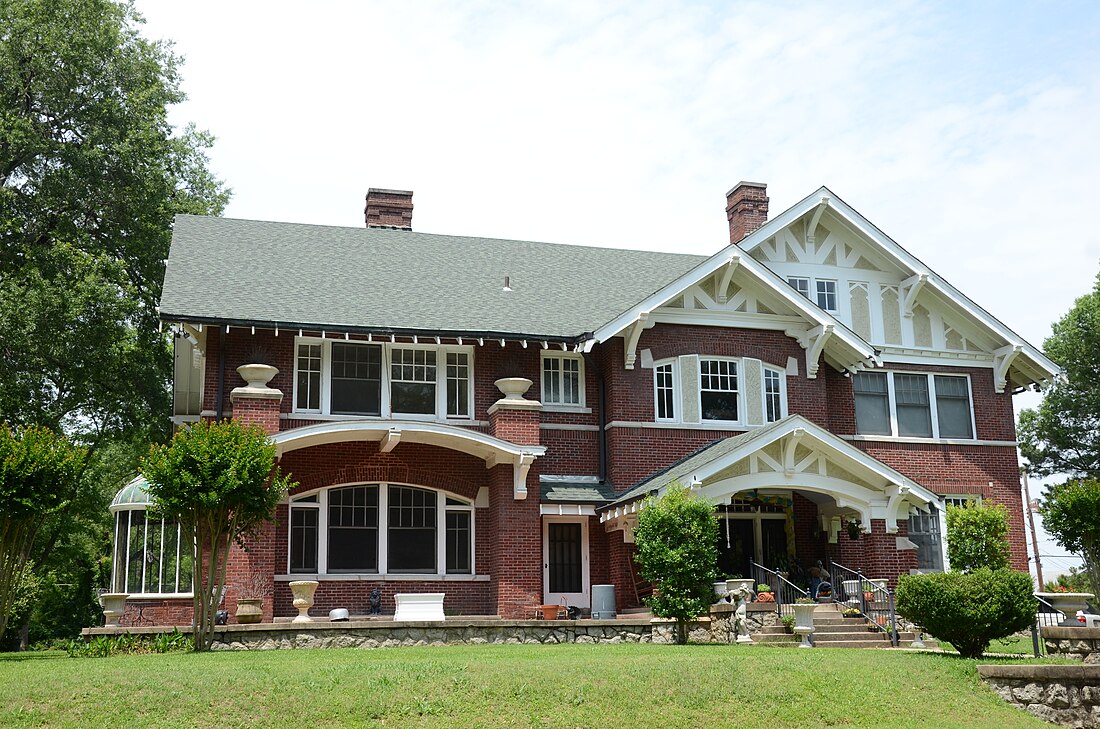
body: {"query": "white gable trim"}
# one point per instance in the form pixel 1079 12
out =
pixel 849 350
pixel 921 276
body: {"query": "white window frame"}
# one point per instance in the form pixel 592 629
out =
pixel 782 375
pixel 796 284
pixel 961 500
pixel 550 404
pixel 818 283
pixel 676 404
pixel 812 291
pixel 739 375
pixel 383 530
pixel 115 567
pixel 932 406
pixel 441 352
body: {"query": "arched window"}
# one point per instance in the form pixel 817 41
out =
pixel 151 556
pixel 381 529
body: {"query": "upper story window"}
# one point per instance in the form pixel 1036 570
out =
pixel 913 405
pixel 381 529
pixel 824 290
pixel 718 389
pixel 962 500
pixel 360 378
pixel 773 395
pixel 664 391
pixel 562 380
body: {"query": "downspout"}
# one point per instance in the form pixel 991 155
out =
pixel 221 373
pixel 601 400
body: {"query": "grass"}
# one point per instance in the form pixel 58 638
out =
pixel 505 686
pixel 1014 644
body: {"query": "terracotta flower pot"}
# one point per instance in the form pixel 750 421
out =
pixel 765 597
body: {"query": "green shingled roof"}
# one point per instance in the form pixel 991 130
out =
pixel 579 491
pixel 246 271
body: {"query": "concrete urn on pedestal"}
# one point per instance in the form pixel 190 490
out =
pixel 303 599
pixel 114 605
pixel 804 622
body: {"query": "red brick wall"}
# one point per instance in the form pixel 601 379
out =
pixel 176 611
pixel 460 598
pixel 515 547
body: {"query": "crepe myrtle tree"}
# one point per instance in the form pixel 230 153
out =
pixel 677 551
pixel 39 476
pixel 977 536
pixel 1071 514
pixel 220 482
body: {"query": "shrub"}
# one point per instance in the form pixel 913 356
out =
pixel 677 537
pixel 968 609
pixel 977 536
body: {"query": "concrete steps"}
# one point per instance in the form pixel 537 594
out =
pixel 832 630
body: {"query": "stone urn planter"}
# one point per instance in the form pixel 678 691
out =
pixel 303 599
pixel 114 605
pixel 1067 603
pixel 514 388
pixel 257 375
pixel 851 589
pixel 250 610
pixel 739 584
pixel 804 622
pixel 721 590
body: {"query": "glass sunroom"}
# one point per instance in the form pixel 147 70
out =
pixel 152 557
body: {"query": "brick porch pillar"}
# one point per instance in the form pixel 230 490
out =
pixel 253 567
pixel 516 541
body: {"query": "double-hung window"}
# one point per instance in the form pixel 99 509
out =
pixel 824 290
pixel 381 529
pixel 562 380
pixel 913 405
pixel 664 384
pixel 773 394
pixel 718 389
pixel 362 378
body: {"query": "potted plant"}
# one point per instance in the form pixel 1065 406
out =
pixel 764 593
pixel 851 613
pixel 853 529
pixel 250 599
pixel 256 370
pixel 868 592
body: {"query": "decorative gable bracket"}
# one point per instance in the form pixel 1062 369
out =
pixel 1002 360
pixel 727 276
pixel 813 341
pixel 634 333
pixel 909 288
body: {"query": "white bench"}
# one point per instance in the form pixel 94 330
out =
pixel 419 606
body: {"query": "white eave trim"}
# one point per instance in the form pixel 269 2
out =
pixel 391 434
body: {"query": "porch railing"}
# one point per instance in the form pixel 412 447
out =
pixel 1045 615
pixel 785 591
pixel 854 590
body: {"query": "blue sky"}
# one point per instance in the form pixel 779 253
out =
pixel 968 131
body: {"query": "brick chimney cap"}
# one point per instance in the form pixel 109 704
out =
pixel 383 191
pixel 743 183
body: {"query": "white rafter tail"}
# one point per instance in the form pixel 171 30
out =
pixel 390 440
pixel 727 276
pixel 586 347
pixel 1002 360
pixel 520 467
pixel 817 338
pixel 632 337
pixel 910 288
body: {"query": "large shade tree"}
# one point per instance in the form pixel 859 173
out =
pixel 91 174
pixel 220 482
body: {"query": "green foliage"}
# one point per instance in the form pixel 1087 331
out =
pixel 968 609
pixel 39 475
pixel 1071 514
pixel 676 539
pixel 1062 436
pixel 219 481
pixel 1074 581
pixel 103 646
pixel 977 536
pixel 91 174
pixel 788 622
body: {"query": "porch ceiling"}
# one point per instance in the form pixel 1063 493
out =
pixel 391 433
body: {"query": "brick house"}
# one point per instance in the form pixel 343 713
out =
pixel 813 380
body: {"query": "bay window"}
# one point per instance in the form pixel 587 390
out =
pixel 381 529
pixel 913 405
pixel 362 378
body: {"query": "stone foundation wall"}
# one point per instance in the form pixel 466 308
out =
pixel 1073 642
pixel 1066 695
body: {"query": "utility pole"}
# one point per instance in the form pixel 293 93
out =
pixel 1034 538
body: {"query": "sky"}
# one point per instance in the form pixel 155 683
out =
pixel 967 131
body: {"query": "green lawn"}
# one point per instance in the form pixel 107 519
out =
pixel 623 686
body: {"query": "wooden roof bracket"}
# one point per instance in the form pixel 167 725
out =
pixel 909 289
pixel 811 227
pixel 1002 360
pixel 788 452
pixel 520 467
pixel 634 333
pixel 727 276
pixel 815 345
pixel 898 499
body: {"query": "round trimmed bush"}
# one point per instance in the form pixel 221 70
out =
pixel 968 609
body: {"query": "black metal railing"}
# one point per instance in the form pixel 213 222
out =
pixel 1045 615
pixel 854 590
pixel 784 591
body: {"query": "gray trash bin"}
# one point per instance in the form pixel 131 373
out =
pixel 603 602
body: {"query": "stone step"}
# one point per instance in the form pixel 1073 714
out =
pixel 775 638
pixel 845 637
pixel 853 644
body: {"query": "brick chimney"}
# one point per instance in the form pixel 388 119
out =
pixel 389 209
pixel 746 208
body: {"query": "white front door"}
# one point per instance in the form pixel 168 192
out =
pixel 565 561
